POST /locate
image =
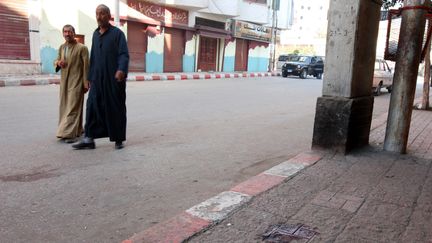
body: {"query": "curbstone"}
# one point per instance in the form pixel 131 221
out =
pixel 27 82
pixel 176 229
pixel 219 207
pixel 210 212
pixel 46 79
pixel 258 184
pixel 53 81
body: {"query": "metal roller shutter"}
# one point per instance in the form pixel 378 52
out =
pixel 174 49
pixel 137 44
pixel 14 36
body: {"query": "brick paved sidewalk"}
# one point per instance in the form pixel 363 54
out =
pixel 366 196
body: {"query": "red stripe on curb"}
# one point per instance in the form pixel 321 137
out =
pixel 176 229
pixel 227 75
pixel 252 75
pixel 258 184
pixel 196 76
pixel 236 75
pixel 207 76
pixel 306 158
pixel 217 76
pixel 156 77
pixel 266 74
pixel 171 77
pixel 2 83
pixel 28 82
pixel 183 76
pixel 139 78
pixel 244 74
pixel 260 75
pixel 54 81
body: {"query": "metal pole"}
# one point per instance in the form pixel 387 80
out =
pixel 405 77
pixel 427 78
pixel 272 49
pixel 117 13
pixel 275 40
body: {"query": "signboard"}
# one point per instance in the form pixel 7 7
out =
pixel 251 31
pixel 166 14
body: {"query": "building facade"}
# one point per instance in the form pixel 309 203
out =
pixel 308 32
pixel 163 36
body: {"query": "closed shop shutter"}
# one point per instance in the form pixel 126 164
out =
pixel 241 56
pixel 207 54
pixel 14 34
pixel 137 45
pixel 174 50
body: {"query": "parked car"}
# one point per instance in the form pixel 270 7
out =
pixel 282 59
pixel 383 77
pixel 303 66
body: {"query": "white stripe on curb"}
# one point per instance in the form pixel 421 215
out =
pixel 285 169
pixel 218 207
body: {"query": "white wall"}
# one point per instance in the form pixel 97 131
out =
pixel 309 25
pixel 285 14
pixel 253 12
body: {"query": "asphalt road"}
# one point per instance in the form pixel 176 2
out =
pixel 186 142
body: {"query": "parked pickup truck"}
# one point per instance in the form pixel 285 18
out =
pixel 303 66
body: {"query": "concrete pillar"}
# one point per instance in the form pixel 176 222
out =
pixel 344 112
pixel 405 77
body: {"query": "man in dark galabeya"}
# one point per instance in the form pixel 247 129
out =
pixel 106 103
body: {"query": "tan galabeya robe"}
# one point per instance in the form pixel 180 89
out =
pixel 73 81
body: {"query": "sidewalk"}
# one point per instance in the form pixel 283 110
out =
pixel 45 79
pixel 367 196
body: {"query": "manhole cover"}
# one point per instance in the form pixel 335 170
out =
pixel 282 233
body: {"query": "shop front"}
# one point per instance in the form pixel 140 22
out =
pixel 252 50
pixel 212 36
pixel 156 37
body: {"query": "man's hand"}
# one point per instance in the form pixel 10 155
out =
pixel 62 63
pixel 86 86
pixel 119 76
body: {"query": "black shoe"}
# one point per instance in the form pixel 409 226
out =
pixel 119 145
pixel 84 145
pixel 70 140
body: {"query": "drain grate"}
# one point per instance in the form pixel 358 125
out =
pixel 284 233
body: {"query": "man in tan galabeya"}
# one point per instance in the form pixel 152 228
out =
pixel 73 60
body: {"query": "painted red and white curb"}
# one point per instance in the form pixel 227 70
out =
pixel 210 212
pixel 150 77
pixel 55 79
pixel 29 82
